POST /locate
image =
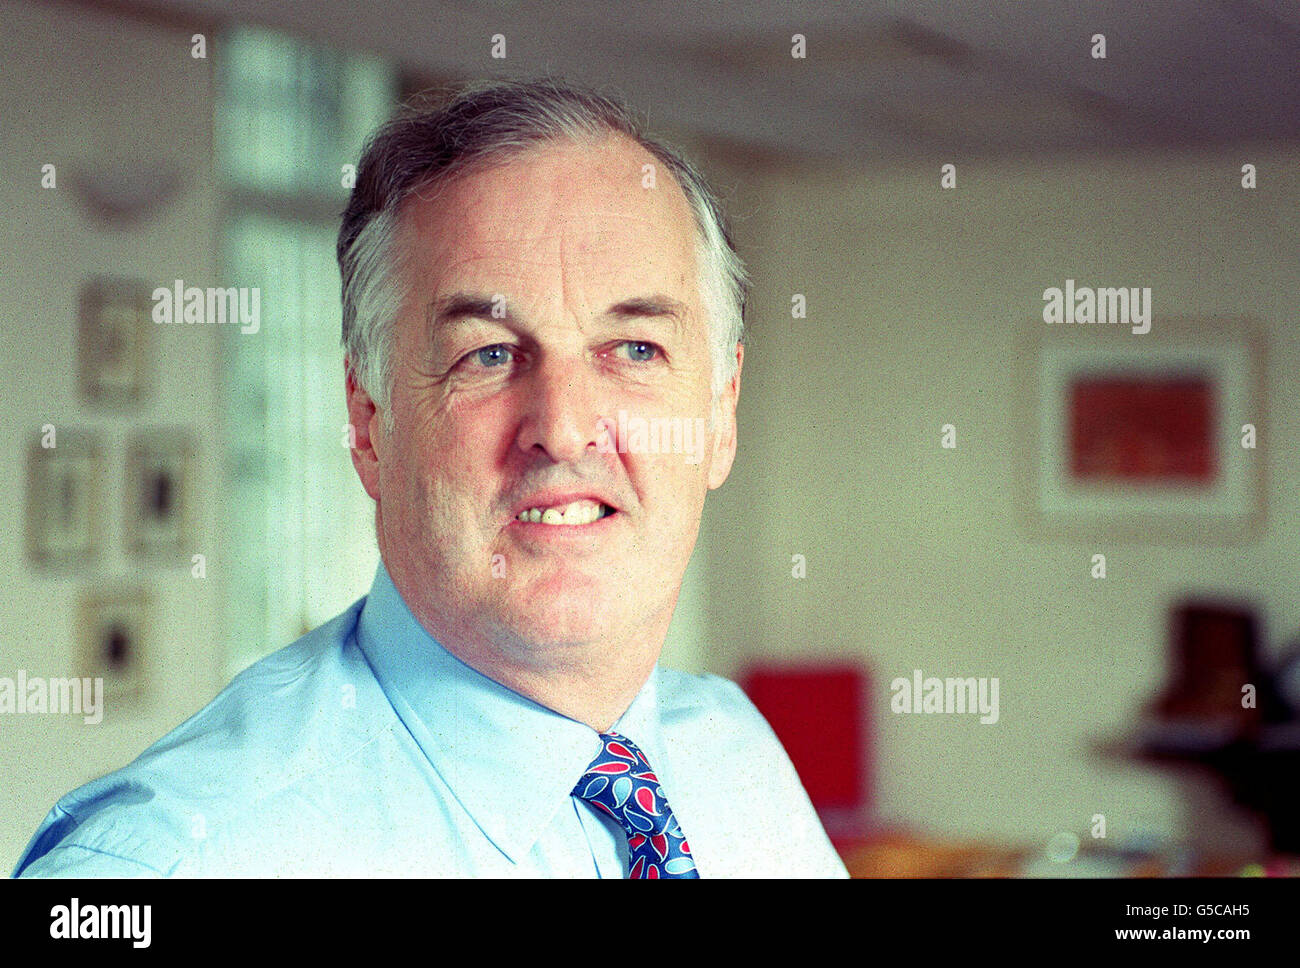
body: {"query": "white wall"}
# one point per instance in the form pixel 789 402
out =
pixel 919 302
pixel 81 88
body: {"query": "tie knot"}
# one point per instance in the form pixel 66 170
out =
pixel 621 783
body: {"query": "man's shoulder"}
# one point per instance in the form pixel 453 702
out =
pixel 296 713
pixel 711 704
pixel 297 692
pixel 293 710
pixel 686 692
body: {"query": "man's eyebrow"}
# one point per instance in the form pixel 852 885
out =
pixel 656 306
pixel 465 305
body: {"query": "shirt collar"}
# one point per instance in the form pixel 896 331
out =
pixel 510 762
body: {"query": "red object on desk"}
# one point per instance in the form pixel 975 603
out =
pixel 818 713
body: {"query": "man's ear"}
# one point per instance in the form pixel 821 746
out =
pixel 363 428
pixel 724 440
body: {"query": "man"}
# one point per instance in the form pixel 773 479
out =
pixel 525 275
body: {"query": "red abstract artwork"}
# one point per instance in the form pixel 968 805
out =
pixel 1143 430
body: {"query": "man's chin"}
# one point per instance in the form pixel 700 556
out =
pixel 558 618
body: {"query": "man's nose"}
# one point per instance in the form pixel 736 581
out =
pixel 561 413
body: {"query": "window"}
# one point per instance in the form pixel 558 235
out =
pixel 299 529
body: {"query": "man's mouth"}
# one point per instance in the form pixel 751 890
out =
pixel 574 513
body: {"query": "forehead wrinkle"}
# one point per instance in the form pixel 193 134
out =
pixel 487 257
pixel 595 235
pixel 572 301
pixel 571 224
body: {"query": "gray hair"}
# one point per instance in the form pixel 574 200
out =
pixel 423 148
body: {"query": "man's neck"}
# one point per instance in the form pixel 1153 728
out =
pixel 590 682
pixel 596 700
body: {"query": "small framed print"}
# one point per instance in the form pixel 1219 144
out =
pixel 160 501
pixel 1152 438
pixel 113 632
pixel 65 475
pixel 113 336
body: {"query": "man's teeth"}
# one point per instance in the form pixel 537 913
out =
pixel 579 512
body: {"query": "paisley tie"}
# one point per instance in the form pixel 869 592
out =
pixel 621 783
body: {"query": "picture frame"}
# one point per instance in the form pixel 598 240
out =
pixel 113 633
pixel 1141 438
pixel 113 340
pixel 64 507
pixel 160 498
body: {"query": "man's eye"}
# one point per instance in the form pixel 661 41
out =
pixel 490 356
pixel 640 352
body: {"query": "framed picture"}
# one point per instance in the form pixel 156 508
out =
pixel 113 631
pixel 160 500
pixel 113 335
pixel 1156 438
pixel 65 475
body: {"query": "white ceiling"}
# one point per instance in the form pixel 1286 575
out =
pixel 881 79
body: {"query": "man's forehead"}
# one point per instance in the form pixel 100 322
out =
pixel 586 229
pixel 562 200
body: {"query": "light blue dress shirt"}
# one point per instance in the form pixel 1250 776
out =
pixel 365 749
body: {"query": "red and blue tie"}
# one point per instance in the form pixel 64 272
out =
pixel 621 783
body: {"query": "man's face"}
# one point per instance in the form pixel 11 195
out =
pixel 547 295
